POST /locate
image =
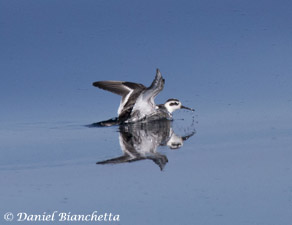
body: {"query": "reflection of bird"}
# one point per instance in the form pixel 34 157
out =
pixel 138 101
pixel 139 141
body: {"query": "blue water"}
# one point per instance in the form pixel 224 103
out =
pixel 230 60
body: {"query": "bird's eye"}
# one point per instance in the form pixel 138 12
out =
pixel 173 103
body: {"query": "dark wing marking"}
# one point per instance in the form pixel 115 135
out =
pixel 118 87
pixel 121 159
pixel 105 123
pixel 127 109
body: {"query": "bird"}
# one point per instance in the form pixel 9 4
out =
pixel 137 103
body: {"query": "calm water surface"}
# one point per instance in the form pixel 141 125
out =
pixel 230 168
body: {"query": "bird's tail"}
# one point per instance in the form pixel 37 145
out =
pixel 105 123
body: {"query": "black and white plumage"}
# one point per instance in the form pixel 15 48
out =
pixel 137 101
pixel 140 141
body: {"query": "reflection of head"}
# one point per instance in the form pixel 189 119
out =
pixel 175 142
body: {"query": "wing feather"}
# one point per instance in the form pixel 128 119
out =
pixel 118 87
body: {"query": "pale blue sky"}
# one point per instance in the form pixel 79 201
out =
pixel 211 53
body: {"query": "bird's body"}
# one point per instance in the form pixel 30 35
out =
pixel 137 102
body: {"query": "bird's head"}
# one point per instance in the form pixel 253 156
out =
pixel 173 104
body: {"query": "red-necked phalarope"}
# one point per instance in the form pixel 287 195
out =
pixel 137 102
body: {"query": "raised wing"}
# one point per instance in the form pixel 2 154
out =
pixel 128 90
pixel 118 87
pixel 156 87
pixel 144 105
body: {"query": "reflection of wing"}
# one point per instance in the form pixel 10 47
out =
pixel 139 141
pixel 131 154
pixel 158 159
pixel 121 159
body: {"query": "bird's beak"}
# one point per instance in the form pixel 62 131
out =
pixel 184 107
